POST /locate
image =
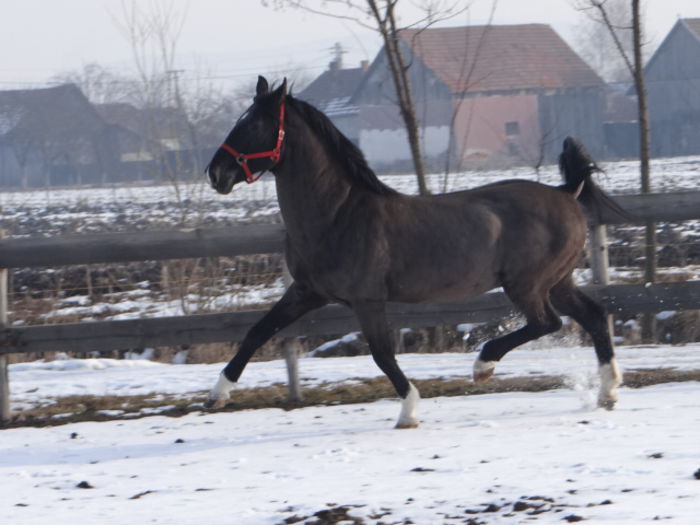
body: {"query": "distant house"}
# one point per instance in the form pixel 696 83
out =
pixel 56 137
pixel 332 93
pixel 50 137
pixel 673 89
pixel 621 122
pixel 163 146
pixel 480 92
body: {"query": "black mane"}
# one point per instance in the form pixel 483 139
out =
pixel 355 168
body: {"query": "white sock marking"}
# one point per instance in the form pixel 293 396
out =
pixel 408 417
pixel 221 389
pixel 610 379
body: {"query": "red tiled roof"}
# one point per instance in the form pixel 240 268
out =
pixel 500 58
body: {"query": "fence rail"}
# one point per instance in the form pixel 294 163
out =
pixel 243 240
pixel 659 207
pixel 211 328
pixel 140 246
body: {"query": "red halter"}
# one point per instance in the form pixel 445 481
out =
pixel 274 154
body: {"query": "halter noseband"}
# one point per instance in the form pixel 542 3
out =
pixel 273 154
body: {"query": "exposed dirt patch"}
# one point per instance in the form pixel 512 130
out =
pixel 333 515
pixel 525 509
pixel 72 409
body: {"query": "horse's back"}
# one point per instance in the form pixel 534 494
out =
pixel 468 241
pixel 543 228
pixel 515 201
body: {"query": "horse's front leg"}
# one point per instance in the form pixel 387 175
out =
pixel 372 318
pixel 295 302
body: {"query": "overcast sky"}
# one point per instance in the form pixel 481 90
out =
pixel 237 39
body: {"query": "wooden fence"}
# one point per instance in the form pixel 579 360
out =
pixel 207 328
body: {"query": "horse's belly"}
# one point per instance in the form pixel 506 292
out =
pixel 434 290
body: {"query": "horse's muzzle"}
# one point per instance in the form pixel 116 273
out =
pixel 219 181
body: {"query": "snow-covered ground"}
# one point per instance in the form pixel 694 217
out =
pixel 496 459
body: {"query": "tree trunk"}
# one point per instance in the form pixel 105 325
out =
pixel 644 152
pixel 399 73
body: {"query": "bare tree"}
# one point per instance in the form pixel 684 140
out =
pixel 152 31
pixel 635 66
pixel 385 17
pixel 595 43
pixel 100 85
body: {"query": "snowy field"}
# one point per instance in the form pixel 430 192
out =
pixel 518 457
pixel 496 459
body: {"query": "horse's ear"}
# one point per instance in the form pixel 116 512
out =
pixel 281 91
pixel 263 87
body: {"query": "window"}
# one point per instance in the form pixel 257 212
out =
pixel 512 128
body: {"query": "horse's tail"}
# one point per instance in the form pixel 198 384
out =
pixel 577 166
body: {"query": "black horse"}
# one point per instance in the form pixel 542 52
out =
pixel 353 240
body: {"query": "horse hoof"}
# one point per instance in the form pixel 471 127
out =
pixel 483 370
pixel 406 424
pixel 215 403
pixel 607 404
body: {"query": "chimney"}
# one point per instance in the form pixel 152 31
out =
pixel 364 65
pixel 337 62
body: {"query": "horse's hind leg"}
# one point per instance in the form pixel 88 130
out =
pixel 571 301
pixel 372 318
pixel 294 303
pixel 541 320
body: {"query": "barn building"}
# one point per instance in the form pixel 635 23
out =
pixel 481 92
pixel 673 89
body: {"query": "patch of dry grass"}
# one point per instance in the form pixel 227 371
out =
pixel 71 409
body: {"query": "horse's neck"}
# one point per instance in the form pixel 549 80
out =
pixel 310 193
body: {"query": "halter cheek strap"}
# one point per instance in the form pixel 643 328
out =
pixel 273 154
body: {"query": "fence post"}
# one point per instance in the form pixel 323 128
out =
pixel 4 374
pixel 291 355
pixel 598 240
pixel 290 346
pixel 600 263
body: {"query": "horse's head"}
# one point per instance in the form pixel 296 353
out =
pixel 255 142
